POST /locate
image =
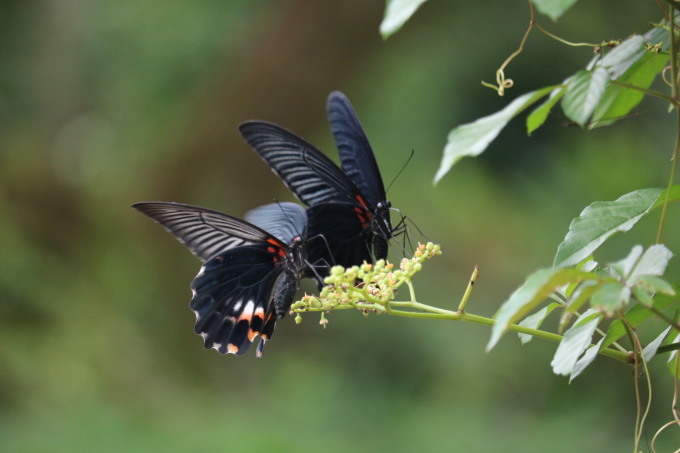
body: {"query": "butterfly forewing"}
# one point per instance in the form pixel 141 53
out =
pixel 356 155
pixel 305 170
pixel 203 231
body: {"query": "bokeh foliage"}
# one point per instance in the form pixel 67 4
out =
pixel 106 103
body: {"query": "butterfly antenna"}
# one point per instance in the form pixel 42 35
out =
pixel 403 167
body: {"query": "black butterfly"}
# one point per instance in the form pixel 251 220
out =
pixel 348 213
pixel 251 270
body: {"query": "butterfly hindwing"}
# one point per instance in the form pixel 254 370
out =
pixel 337 235
pixel 283 220
pixel 232 297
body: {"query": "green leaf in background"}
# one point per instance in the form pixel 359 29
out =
pixel 673 196
pixel 583 94
pixel 397 12
pixel 656 285
pixel 575 342
pixel 553 8
pixel 624 267
pixel 611 297
pixel 580 296
pixel 534 321
pixel 653 262
pixel 620 59
pixel 540 113
pixel 638 314
pixel 471 139
pixel 618 101
pixel 601 219
pixel 588 358
pixel 535 290
pixel 633 64
pixel 649 351
pixel 643 295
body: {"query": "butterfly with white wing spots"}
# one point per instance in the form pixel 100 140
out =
pixel 251 268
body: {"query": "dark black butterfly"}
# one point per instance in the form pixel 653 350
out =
pixel 348 212
pixel 251 270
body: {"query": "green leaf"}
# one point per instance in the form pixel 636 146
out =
pixel 574 343
pixel 540 113
pixel 673 195
pixel 580 296
pixel 471 139
pixel 588 358
pixel 535 290
pixel 583 94
pixel 649 351
pixel 534 321
pixel 638 314
pixel 643 295
pixel 618 101
pixel 624 267
pixel 397 12
pixel 553 8
pixel 630 63
pixel 656 285
pixel 610 297
pixel 622 57
pixel 602 219
pixel 652 262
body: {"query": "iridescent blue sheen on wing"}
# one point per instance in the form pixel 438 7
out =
pixel 283 220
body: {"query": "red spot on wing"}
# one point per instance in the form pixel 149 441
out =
pixel 277 248
pixel 361 201
pixel 363 216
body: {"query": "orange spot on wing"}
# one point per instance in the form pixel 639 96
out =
pixel 275 242
pixel 232 349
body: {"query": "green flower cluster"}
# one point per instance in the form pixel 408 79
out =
pixel 369 287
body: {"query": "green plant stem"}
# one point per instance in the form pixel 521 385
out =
pixel 468 290
pixel 564 41
pixel 430 312
pixel 654 93
pixel 676 150
pixel 665 318
pixel 668 348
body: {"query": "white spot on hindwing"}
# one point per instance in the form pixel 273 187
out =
pixel 249 309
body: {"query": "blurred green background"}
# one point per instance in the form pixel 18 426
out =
pixel 103 104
